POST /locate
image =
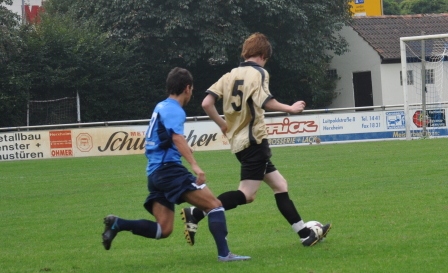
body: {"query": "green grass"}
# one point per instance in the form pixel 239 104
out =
pixel 388 202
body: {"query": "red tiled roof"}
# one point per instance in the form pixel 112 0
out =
pixel 383 33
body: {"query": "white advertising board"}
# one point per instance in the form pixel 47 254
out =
pixel 205 135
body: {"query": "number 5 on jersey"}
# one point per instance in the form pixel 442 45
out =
pixel 236 92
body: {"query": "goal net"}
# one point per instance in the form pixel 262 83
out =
pixel 425 85
pixel 57 111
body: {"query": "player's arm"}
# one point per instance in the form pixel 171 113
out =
pixel 274 105
pixel 185 151
pixel 208 104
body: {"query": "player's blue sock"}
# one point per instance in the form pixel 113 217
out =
pixel 218 228
pixel 145 228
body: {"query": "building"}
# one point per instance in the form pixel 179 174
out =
pixel 27 9
pixel 370 72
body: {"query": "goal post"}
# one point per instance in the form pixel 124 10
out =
pixel 57 111
pixel 424 77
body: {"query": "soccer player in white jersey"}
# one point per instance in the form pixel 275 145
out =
pixel 169 182
pixel 245 94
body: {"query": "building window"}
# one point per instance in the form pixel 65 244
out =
pixel 429 76
pixel 332 73
pixel 410 76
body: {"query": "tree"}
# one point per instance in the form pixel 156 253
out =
pixel 12 96
pixel 65 56
pixel 9 23
pixel 61 56
pixel 423 6
pixel 117 54
pixel 391 7
pixel 207 34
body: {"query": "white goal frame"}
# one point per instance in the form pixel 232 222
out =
pixel 408 117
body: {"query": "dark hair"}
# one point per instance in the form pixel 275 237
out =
pixel 177 80
pixel 256 45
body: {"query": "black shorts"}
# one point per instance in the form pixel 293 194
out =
pixel 167 184
pixel 255 161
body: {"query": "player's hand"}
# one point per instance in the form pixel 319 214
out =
pixel 298 107
pixel 200 179
pixel 224 129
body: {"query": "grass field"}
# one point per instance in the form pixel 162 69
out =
pixel 388 202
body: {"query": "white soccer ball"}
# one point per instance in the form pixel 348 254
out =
pixel 316 227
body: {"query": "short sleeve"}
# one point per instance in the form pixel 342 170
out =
pixel 217 89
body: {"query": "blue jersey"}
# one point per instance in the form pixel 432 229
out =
pixel 168 118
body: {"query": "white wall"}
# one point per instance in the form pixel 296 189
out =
pixel 360 58
pixel 392 90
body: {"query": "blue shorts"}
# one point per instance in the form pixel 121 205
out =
pixel 167 184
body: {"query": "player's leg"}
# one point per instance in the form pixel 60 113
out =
pixel 245 194
pixel 253 161
pixel 285 205
pixel 253 167
pixel 249 188
pixel 156 203
pixel 164 217
pixel 279 186
pixel 207 202
pixel 202 199
pixel 230 200
pixel 146 228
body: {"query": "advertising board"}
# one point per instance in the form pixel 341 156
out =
pixel 206 136
pixel 367 7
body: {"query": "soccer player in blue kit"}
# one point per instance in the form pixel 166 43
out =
pixel 169 182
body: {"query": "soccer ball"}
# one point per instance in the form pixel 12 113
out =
pixel 316 227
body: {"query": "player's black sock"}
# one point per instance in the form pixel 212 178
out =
pixel 288 210
pixel 218 228
pixel 145 228
pixel 304 232
pixel 198 214
pixel 232 199
pixel 229 200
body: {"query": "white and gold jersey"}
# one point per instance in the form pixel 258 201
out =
pixel 245 91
